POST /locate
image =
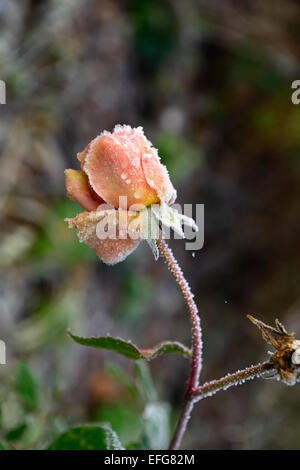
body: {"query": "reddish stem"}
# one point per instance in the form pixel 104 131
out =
pixel 195 393
pixel 237 378
pixel 193 380
pixel 182 423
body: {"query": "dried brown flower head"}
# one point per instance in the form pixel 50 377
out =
pixel 286 358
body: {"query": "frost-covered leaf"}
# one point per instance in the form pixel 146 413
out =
pixel 154 248
pixel 150 231
pixel 90 437
pixel 170 217
pixel 156 426
pixel 166 347
pixel 112 439
pixel 125 348
pixel 130 350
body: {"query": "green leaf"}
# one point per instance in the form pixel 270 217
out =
pixel 130 350
pixel 92 437
pixel 27 387
pixel 166 347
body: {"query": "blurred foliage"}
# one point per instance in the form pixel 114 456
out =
pixel 135 292
pixel 177 155
pixel 154 26
pixel 125 419
pixel 25 425
pixel 57 244
pixel 210 82
pixel 27 387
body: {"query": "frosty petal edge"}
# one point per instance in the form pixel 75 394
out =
pixel 110 251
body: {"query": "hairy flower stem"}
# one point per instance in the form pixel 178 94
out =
pixel 195 393
pixel 193 380
pixel 183 422
pixel 237 378
pixel 210 388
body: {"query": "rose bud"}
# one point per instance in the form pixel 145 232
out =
pixel 121 171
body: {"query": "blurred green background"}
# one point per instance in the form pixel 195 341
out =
pixel 210 82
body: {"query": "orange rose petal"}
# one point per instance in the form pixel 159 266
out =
pixel 109 250
pixel 78 190
pixel 112 251
pixel 81 155
pixel 115 167
pixel 157 176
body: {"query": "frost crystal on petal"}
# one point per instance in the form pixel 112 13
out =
pixel 118 243
pixel 157 176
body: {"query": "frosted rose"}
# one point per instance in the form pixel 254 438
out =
pixel 116 165
pixel 121 163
